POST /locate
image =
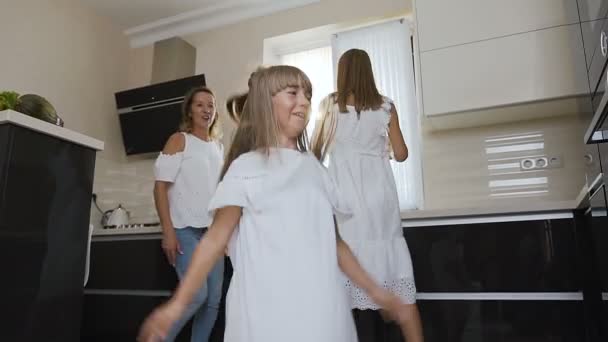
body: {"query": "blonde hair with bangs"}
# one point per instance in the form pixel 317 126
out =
pixel 257 127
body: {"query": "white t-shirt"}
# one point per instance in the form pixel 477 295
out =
pixel 194 174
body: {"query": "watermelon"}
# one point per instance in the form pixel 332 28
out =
pixel 38 107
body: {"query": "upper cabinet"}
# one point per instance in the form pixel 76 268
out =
pixel 592 9
pixel 481 55
pixel 515 69
pixel 444 23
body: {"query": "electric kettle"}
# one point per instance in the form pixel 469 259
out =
pixel 116 217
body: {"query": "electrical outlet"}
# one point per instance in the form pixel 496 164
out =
pixel 541 163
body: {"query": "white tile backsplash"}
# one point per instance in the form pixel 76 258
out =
pixel 129 183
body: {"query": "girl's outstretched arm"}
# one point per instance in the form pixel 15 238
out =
pixel 208 251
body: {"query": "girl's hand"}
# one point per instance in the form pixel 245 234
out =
pixel 393 309
pixel 157 324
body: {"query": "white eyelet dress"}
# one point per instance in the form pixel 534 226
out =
pixel 359 165
pixel 286 285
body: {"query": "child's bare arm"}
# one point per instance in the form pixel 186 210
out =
pixel 208 251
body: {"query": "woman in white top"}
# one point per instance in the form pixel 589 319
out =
pixel 276 205
pixel 187 172
pixel 357 130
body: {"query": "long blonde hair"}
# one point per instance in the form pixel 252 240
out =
pixel 257 127
pixel 356 78
pixel 185 125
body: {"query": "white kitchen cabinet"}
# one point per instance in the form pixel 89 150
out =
pixel 443 23
pixel 532 66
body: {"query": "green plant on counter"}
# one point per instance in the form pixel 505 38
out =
pixel 8 100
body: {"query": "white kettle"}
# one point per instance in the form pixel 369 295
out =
pixel 116 217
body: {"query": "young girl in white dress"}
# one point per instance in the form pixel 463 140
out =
pixel 275 205
pixel 357 131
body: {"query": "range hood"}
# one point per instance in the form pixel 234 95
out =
pixel 149 115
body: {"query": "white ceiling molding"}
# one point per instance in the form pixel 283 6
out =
pixel 225 13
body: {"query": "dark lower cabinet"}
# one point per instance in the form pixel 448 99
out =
pixel 137 264
pixel 526 256
pixel 117 318
pixel 129 277
pixel 504 321
pixel 484 321
pixel 45 197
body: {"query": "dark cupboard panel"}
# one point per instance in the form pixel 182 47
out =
pixel 130 265
pixel 504 321
pixel 44 219
pixel 495 257
pixel 118 318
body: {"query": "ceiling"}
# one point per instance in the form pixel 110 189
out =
pixel 132 13
pixel 148 21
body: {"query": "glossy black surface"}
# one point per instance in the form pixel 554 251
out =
pixel 592 162
pixel 130 265
pixel 495 257
pixel 118 318
pixel 599 235
pixel 44 218
pixel 4 157
pixel 158 92
pixel 504 321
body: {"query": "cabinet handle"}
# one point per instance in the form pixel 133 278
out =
pixel 589 159
pixel 604 43
pixel 87 265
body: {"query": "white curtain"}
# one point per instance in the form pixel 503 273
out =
pixel 317 64
pixel 388 45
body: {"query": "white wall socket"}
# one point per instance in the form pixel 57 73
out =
pixel 541 163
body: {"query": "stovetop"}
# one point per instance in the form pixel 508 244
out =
pixel 128 229
pixel 133 225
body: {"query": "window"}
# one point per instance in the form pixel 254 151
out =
pixel 389 45
pixel 317 64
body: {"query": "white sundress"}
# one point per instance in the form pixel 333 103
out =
pixel 286 284
pixel 360 167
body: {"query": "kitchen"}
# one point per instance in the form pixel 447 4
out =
pixel 489 75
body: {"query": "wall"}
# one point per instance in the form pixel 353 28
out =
pixel 77 59
pixel 228 55
pixel 460 165
pixel 66 53
pixel 86 55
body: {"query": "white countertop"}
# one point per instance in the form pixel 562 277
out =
pixel 10 116
pixel 541 207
